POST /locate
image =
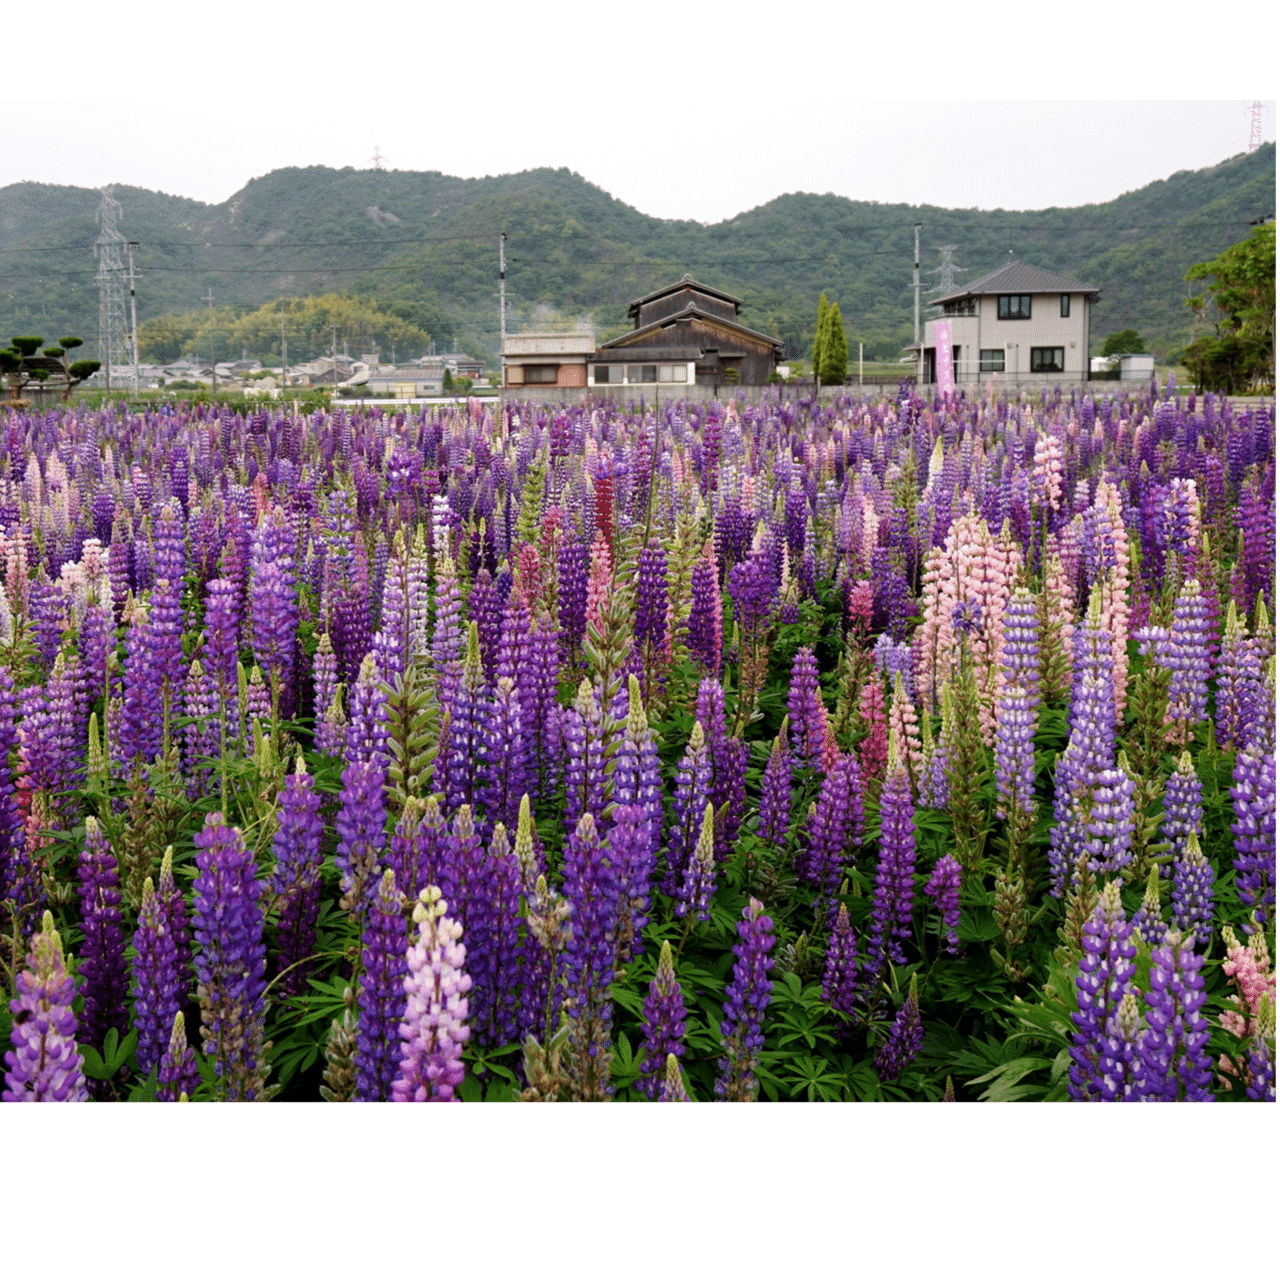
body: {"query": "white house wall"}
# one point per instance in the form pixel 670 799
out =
pixel 1046 328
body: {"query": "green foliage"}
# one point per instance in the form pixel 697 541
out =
pixel 835 350
pixel 1124 342
pixel 1241 352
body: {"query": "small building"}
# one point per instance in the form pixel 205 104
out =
pixel 1017 323
pixel 547 359
pixel 1137 368
pixel 685 333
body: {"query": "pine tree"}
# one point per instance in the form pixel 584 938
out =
pixel 835 350
pixel 819 335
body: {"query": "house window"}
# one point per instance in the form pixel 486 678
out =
pixel 608 373
pixel 540 373
pixel 1048 360
pixel 1065 305
pixel 991 360
pixel 965 307
pixel 642 373
pixel 1013 306
pixel 673 373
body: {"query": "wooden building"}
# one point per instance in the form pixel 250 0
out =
pixel 685 333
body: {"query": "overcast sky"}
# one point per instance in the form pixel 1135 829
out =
pixel 681 113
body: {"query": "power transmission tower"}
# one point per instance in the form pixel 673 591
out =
pixel 114 345
pixel 946 273
pixel 377 158
pixel 1255 125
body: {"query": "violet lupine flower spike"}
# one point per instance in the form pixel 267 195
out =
pixel 1193 892
pixel 434 1029
pixel 746 999
pixel 699 880
pixel 1183 806
pixel 178 1074
pixel 840 976
pixel 1148 922
pixel 775 792
pixel 895 876
pixel 382 989
pixel 161 974
pixel 44 1064
pixel 1175 1064
pixel 231 959
pixel 1253 797
pixel 663 1024
pixel 296 879
pixel 905 1038
pixel 944 892
pixel 102 963
pixel 1103 980
pixel 805 712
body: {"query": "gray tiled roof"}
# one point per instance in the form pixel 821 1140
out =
pixel 1017 277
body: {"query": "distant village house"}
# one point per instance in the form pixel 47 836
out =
pixel 1017 323
pixel 686 333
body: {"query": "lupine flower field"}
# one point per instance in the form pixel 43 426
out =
pixel 856 750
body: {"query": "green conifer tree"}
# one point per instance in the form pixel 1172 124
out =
pixel 819 335
pixel 835 349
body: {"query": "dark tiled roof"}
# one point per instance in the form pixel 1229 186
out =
pixel 691 312
pixel 1017 277
pixel 685 282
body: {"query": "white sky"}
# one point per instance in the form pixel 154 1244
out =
pixel 692 114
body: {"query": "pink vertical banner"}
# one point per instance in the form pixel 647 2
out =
pixel 942 358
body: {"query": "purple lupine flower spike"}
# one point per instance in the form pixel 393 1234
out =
pixel 178 1073
pixel 434 1029
pixel 1103 980
pixel 44 1064
pixel 693 792
pixel 1253 798
pixel 231 959
pixel 699 880
pixel 840 976
pixel 807 716
pixel 381 998
pixel 296 878
pixel 102 962
pixel 775 792
pixel 944 892
pixel 161 972
pixel 1193 892
pixel 1175 1063
pixel 834 831
pixel 746 999
pixel 905 1038
pixel 895 876
pixel 1148 922
pixel 592 884
pixel 361 825
pixel 1183 806
pixel 1119 1066
pixel 663 1024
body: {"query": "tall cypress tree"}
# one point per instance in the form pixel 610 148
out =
pixel 835 349
pixel 819 336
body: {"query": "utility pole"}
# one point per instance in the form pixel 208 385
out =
pixel 133 308
pixel 859 364
pixel 213 366
pixel 334 327
pixel 915 324
pixel 502 295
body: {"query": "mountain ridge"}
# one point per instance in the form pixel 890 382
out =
pixel 424 245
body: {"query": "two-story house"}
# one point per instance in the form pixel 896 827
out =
pixel 1015 324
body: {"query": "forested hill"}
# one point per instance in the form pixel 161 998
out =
pixel 424 245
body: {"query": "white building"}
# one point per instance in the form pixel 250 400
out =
pixel 547 359
pixel 1015 324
